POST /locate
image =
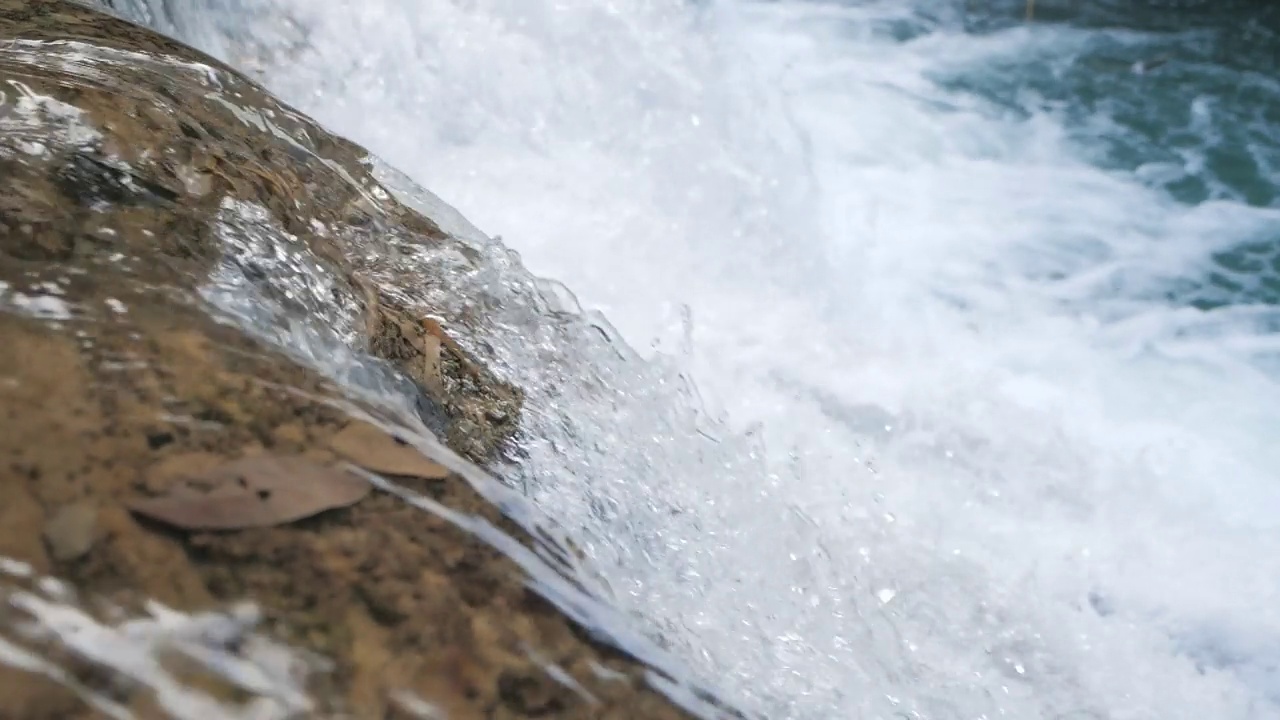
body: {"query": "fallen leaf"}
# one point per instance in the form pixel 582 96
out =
pixel 163 473
pixel 260 491
pixel 373 449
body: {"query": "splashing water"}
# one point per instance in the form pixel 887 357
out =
pixel 978 448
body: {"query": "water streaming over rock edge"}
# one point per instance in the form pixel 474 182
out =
pixel 1102 471
pixel 183 255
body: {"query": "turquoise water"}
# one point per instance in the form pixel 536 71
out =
pixel 1187 100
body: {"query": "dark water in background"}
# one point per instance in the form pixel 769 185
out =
pixel 1202 123
pixel 1184 94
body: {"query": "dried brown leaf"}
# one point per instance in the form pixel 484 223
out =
pixel 261 491
pixel 373 449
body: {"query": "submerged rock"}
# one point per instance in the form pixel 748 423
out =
pixel 192 275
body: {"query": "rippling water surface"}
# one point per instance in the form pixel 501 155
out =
pixel 949 380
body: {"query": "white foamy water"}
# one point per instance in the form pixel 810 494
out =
pixel 968 468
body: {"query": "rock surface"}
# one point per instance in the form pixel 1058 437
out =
pixel 154 205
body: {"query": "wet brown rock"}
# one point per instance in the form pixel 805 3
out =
pixel 35 698
pixel 173 154
pixel 129 186
pixel 22 518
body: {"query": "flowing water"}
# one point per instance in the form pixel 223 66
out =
pixel 939 363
